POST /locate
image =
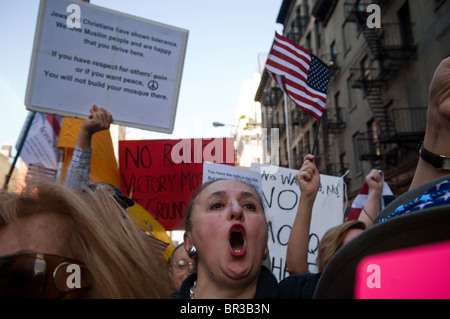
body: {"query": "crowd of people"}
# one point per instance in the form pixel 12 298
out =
pixel 77 240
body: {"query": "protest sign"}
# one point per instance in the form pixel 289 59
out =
pixel 161 175
pixel 129 65
pixel 39 147
pixel 281 194
pixel 213 171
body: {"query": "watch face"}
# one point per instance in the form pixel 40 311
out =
pixel 446 164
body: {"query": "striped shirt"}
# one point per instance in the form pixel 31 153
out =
pixel 79 169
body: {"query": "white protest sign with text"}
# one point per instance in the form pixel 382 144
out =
pixel 129 65
pixel 213 171
pixel 39 147
pixel 281 194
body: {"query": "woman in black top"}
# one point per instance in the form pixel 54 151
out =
pixel 226 231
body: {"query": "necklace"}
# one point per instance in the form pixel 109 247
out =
pixel 191 290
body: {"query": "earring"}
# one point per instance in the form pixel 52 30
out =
pixel 192 252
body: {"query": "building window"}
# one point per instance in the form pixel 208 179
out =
pixel 365 68
pixel 358 166
pixel 404 19
pixel 351 107
pixel 308 41
pixel 343 163
pixel 318 27
pixel 316 138
pixel 295 156
pixel 336 106
pixel 361 7
pixel 345 41
pixel 374 141
pixel 333 52
pixel 307 143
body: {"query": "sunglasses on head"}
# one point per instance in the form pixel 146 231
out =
pixel 36 275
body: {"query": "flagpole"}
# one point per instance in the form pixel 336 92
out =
pixel 316 137
pixel 19 150
pixel 288 139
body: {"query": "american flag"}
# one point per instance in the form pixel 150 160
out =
pixel 360 200
pixel 300 74
pixel 39 171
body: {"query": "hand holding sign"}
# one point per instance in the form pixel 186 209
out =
pixel 308 177
pixel 99 119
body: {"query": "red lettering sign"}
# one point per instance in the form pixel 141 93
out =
pixel 161 175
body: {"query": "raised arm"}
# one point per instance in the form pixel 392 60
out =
pixel 370 210
pixel 308 178
pixel 99 120
pixel 80 165
pixel 437 134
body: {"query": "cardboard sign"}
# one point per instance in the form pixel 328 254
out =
pixel 281 194
pixel 129 65
pixel 161 175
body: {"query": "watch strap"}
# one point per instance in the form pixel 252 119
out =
pixel 438 161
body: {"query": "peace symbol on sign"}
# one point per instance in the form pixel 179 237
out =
pixel 153 85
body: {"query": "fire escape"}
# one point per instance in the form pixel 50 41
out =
pixel 395 129
pixel 299 23
pixel 271 100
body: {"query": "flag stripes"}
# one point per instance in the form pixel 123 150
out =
pixel 301 75
pixel 360 200
pixel 39 171
pixel 55 122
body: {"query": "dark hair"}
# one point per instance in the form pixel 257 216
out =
pixel 197 193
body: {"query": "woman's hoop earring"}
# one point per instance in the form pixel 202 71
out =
pixel 192 252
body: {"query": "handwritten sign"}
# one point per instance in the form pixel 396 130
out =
pixel 127 64
pixel 281 194
pixel 161 175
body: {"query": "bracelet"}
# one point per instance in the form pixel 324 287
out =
pixel 367 214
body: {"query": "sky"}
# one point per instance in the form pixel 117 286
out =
pixel 224 43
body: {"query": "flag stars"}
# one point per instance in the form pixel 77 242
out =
pixel 319 74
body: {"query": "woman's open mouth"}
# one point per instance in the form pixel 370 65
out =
pixel 236 238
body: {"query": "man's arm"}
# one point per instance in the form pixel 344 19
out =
pixel 437 133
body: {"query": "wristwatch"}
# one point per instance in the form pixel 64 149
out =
pixel 437 160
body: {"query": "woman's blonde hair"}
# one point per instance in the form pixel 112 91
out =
pixel 121 261
pixel 332 240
